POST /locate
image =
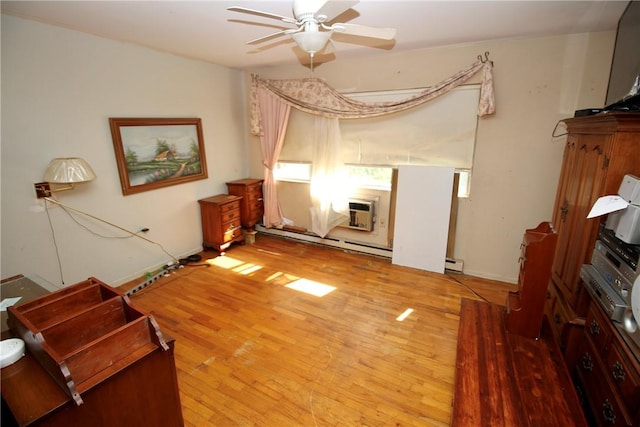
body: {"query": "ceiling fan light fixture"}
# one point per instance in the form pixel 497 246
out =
pixel 312 42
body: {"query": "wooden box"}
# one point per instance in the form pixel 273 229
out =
pixel 84 334
pixel 525 307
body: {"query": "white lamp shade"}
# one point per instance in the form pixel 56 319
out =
pixel 312 41
pixel 69 170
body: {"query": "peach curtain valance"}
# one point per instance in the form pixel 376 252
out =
pixel 314 96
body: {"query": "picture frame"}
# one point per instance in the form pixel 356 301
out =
pixel 154 153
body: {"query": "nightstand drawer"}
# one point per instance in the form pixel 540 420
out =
pixel 228 207
pixel 256 206
pixel 254 192
pixel 232 233
pixel 229 215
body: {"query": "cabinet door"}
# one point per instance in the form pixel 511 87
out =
pixel 583 186
pixel 567 194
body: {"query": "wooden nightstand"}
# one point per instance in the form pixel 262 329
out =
pixel 251 205
pixel 220 221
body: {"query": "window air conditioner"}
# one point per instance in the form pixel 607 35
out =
pixel 361 214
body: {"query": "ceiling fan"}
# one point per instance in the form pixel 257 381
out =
pixel 314 26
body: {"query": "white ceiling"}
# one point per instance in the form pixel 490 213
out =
pixel 205 30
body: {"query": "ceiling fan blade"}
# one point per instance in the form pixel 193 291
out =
pixel 272 35
pixel 365 31
pixel 264 14
pixel 332 8
pixel 267 37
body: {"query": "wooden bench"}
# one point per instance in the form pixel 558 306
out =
pixel 505 379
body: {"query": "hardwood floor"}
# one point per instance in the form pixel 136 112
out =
pixel 252 350
pixel 504 379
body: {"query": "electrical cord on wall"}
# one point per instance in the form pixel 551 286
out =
pixel 74 219
pixel 67 210
pixel 55 243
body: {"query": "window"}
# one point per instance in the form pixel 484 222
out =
pixel 378 177
pixel 439 133
pixel 292 171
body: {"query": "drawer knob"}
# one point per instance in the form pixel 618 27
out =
pixel 607 412
pixel 618 372
pixel 594 328
pixel 587 362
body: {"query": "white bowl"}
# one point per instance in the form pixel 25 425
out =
pixel 11 351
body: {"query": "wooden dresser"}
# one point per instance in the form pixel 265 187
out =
pixel 607 373
pixel 599 151
pixel 251 205
pixel 220 221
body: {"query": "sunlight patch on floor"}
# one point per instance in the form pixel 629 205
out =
pixel 226 262
pixel 310 287
pixel 274 276
pixel 246 269
pixel 234 264
pixel 404 315
pixel 278 278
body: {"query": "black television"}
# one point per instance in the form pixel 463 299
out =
pixel 625 66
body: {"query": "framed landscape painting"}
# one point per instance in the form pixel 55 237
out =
pixel 153 153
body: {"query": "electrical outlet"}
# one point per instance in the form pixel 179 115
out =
pixel 43 189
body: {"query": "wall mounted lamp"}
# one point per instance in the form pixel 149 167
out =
pixel 62 174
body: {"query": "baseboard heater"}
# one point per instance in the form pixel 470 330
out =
pixel 301 234
pixel 453 264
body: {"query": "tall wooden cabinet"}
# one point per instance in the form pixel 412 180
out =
pixel 599 151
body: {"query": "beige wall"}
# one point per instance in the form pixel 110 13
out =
pixel 537 83
pixel 59 88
